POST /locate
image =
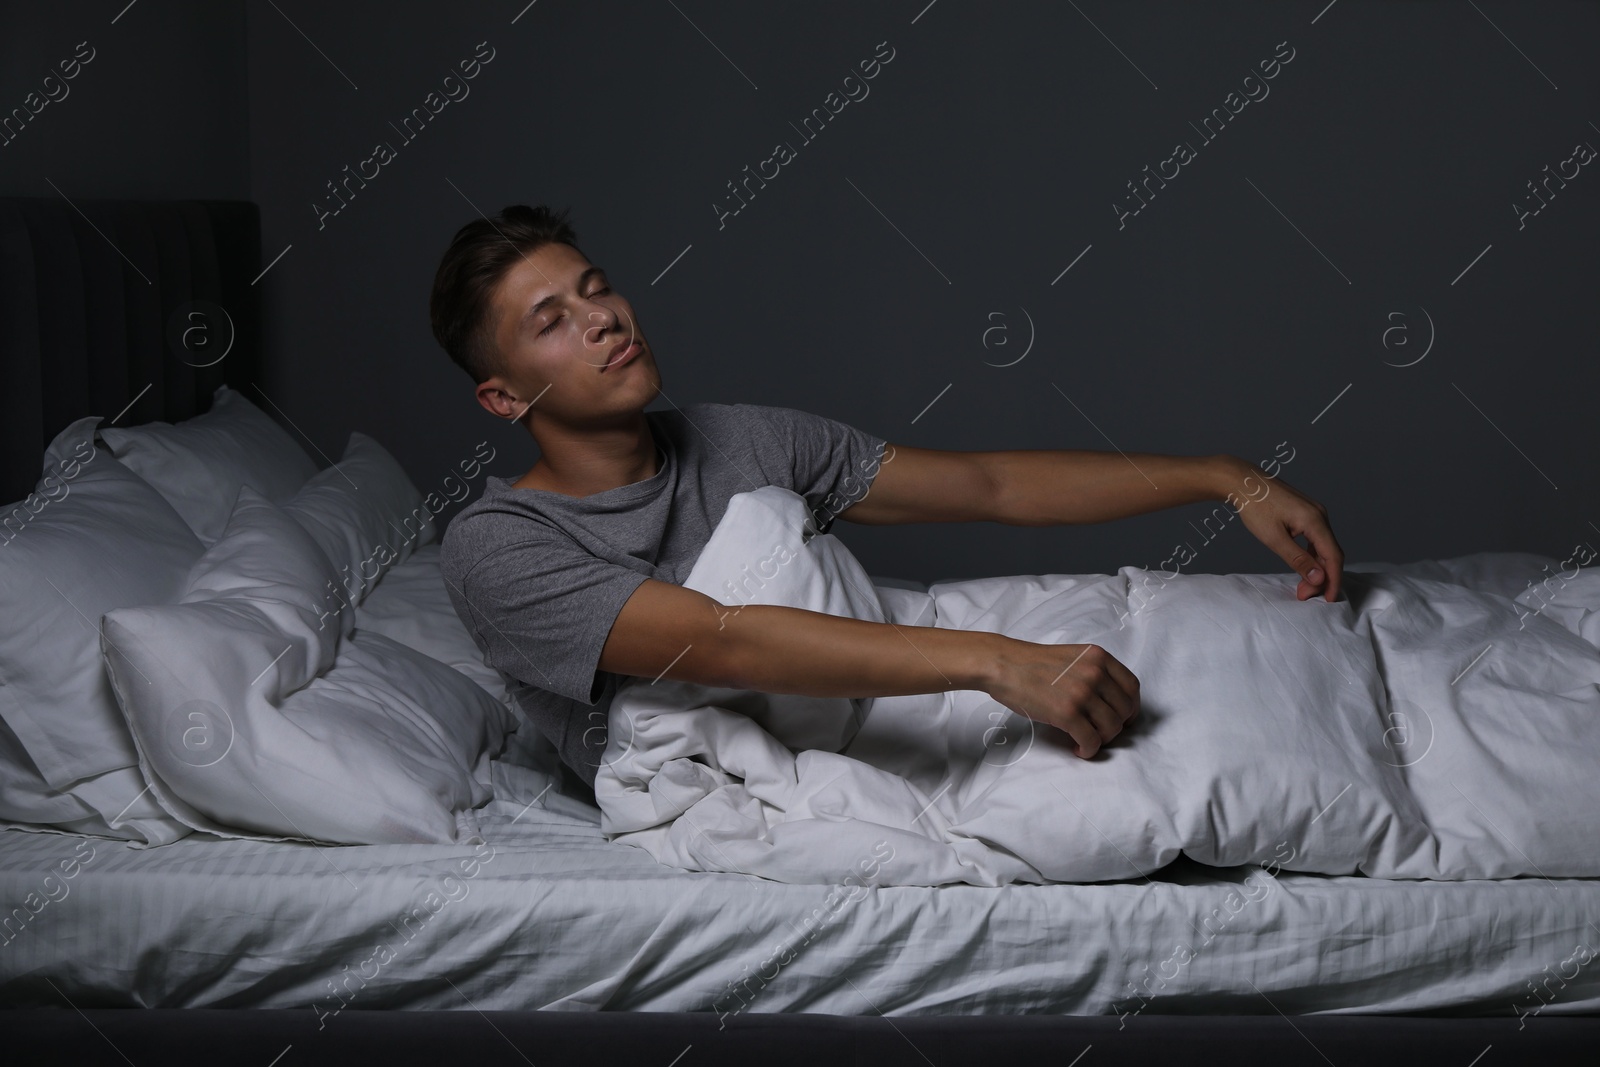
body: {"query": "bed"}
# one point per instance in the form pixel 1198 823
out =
pixel 532 921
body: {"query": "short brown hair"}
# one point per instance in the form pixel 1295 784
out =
pixel 479 256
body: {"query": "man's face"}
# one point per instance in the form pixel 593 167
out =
pixel 563 333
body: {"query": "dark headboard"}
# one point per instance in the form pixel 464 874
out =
pixel 99 299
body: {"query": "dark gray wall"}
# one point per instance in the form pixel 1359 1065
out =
pixel 860 283
pixel 159 112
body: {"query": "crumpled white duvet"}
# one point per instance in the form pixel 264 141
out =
pixel 1440 721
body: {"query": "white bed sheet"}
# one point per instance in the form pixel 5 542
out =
pixel 557 918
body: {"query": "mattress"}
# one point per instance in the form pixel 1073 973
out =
pixel 546 914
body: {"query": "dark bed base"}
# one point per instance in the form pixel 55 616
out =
pixel 649 1039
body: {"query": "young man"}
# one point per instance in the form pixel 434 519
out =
pixel 570 576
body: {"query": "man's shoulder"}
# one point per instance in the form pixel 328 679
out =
pixel 486 526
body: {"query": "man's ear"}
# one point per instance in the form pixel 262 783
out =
pixel 498 398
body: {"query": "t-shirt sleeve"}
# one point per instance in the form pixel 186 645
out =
pixel 542 608
pixel 831 463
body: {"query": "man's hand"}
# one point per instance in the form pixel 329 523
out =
pixel 1082 690
pixel 1276 512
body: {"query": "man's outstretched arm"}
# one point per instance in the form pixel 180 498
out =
pixel 1043 487
pixel 670 631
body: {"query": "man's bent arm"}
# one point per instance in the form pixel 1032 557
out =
pixel 669 631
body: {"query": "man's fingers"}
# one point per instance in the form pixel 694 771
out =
pixel 1111 682
pixel 1320 563
pixel 1101 695
pixel 1082 730
pixel 1126 682
pixel 1299 560
pixel 1329 558
pixel 1117 699
pixel 1329 555
pixel 1106 718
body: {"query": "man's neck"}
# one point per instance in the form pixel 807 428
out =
pixel 584 462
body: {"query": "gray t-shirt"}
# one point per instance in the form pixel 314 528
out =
pixel 539 577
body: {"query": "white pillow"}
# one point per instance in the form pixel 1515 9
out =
pixel 28 803
pixel 364 513
pixel 93 537
pixel 254 718
pixel 200 463
pixel 411 605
